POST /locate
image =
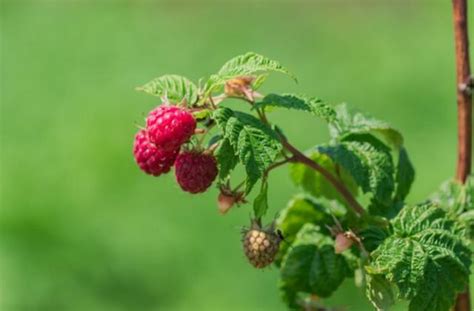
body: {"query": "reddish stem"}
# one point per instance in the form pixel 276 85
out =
pixel 298 156
pixel 464 103
pixel 464 90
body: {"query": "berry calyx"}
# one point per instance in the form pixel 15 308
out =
pixel 195 171
pixel 261 245
pixel 170 126
pixel 152 160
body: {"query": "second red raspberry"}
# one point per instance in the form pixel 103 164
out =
pixel 170 126
pixel 151 159
pixel 195 171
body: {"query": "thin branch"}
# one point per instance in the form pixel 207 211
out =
pixel 277 164
pixel 298 156
pixel 464 103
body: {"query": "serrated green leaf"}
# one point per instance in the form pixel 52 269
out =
pixel 290 101
pixel 372 237
pixel 426 258
pixel 300 210
pixel 380 292
pixel 256 145
pixel 454 196
pixel 260 203
pixel 404 176
pixel 458 201
pixel 226 158
pixel 346 124
pixel 244 65
pixel 369 161
pixel 317 185
pixel 174 87
pixel 312 266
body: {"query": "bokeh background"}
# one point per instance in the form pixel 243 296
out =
pixel 81 228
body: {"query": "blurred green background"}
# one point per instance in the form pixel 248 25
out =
pixel 81 228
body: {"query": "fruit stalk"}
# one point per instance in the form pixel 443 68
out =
pixel 464 103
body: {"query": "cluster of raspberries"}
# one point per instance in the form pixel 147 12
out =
pixel 158 147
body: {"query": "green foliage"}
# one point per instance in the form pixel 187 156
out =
pixel 458 200
pixel 312 266
pixel 372 237
pixel 260 204
pixel 380 292
pixel 347 124
pixel 369 161
pixel 175 88
pixel 226 158
pixel 256 144
pixel 425 258
pixel 419 255
pixel 404 176
pixel 300 210
pixel 455 197
pixel 244 65
pixel 314 183
pixel 290 101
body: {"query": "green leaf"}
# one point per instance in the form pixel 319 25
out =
pixel 260 204
pixel 404 176
pixel 380 292
pixel 244 65
pixel 369 161
pixel 290 101
pixel 300 210
pixel 458 201
pixel 174 87
pixel 372 237
pixel 426 258
pixel 317 185
pixel 358 123
pixel 226 158
pixel 256 144
pixel 455 197
pixel 312 266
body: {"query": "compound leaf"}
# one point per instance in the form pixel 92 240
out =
pixel 426 258
pixel 174 87
pixel 256 145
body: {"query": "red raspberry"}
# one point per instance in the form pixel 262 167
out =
pixel 170 126
pixel 195 171
pixel 150 159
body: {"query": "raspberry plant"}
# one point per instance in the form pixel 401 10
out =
pixel 350 217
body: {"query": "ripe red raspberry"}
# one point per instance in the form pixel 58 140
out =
pixel 150 159
pixel 261 245
pixel 170 126
pixel 195 171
